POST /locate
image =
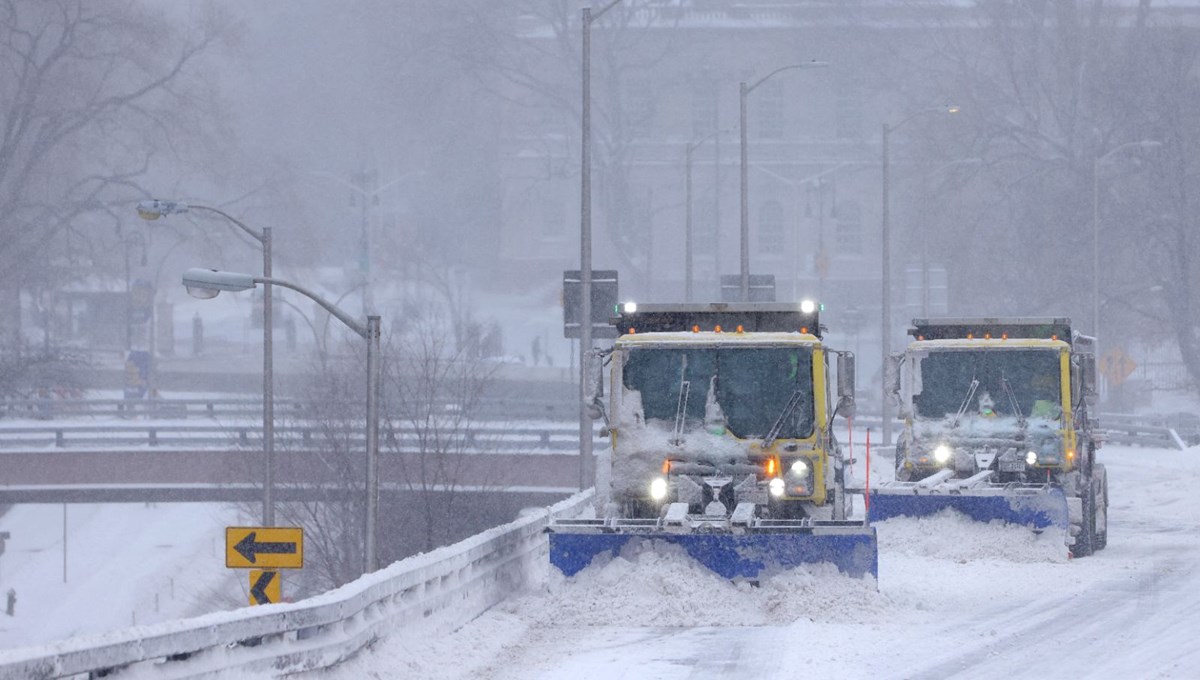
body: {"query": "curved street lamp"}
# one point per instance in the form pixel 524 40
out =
pixel 745 90
pixel 208 283
pixel 155 208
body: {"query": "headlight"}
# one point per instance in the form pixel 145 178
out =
pixel 942 454
pixel 658 489
pixel 1031 458
pixel 776 487
pixel 800 469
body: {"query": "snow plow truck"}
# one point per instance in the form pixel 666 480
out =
pixel 721 427
pixel 999 424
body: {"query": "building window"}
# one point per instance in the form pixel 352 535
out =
pixel 770 228
pixel 849 228
pixel 767 104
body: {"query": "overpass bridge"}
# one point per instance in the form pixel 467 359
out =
pixel 172 461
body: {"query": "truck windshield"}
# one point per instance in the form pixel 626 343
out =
pixel 1032 375
pixel 752 386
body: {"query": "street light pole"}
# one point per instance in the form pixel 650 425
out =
pixel 207 283
pixel 743 91
pixel 374 371
pixel 585 244
pixel 154 209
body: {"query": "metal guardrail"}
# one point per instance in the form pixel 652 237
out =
pixel 1179 430
pixel 437 592
pixel 52 408
pixel 1176 430
pixel 551 437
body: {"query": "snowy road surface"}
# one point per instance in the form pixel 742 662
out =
pixel 954 598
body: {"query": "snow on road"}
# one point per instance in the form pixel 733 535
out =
pixel 122 564
pixel 954 598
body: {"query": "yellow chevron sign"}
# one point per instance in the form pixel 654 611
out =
pixel 265 586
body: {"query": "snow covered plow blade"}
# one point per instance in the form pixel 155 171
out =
pixel 1040 507
pixel 752 553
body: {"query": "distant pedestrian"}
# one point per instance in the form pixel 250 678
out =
pixel 536 350
pixel 11 607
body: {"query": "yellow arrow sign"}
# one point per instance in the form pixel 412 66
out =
pixel 265 586
pixel 264 547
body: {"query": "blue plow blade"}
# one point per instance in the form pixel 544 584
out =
pixel 747 556
pixel 1041 510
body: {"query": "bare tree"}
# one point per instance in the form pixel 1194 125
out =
pixel 1155 238
pixel 434 463
pixel 435 394
pixel 320 464
pixel 528 55
pixel 1048 88
pixel 87 102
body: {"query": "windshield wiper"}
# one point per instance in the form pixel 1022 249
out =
pixel 681 408
pixel 967 400
pixel 773 434
pixel 1012 399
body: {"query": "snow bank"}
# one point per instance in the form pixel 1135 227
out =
pixel 950 535
pixel 655 584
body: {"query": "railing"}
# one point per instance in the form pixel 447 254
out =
pixel 434 593
pixel 50 407
pixel 1177 430
pixel 494 437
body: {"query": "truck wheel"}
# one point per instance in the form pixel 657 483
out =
pixel 1101 540
pixel 1085 540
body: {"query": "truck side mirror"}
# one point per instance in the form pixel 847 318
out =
pixel 594 386
pixel 845 383
pixel 1087 365
pixel 891 376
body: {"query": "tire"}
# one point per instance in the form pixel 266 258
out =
pixel 1085 541
pixel 1101 535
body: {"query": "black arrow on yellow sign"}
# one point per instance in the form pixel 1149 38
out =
pixel 251 549
pixel 261 589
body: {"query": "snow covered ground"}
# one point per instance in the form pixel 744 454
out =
pixel 124 564
pixel 954 598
